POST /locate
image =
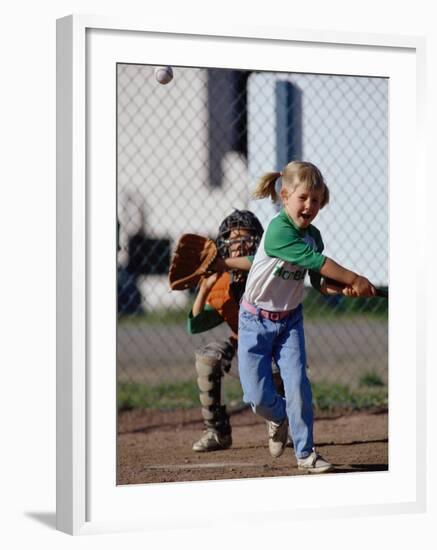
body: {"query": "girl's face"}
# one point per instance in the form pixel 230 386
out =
pixel 302 204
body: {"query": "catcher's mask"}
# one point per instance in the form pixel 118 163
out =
pixel 239 219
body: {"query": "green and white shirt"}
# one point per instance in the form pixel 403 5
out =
pixel 285 253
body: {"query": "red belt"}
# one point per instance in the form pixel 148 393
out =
pixel 271 315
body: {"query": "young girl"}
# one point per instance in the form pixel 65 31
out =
pixel 270 318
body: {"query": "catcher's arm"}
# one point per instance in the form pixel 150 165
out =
pixel 205 287
pixel 206 283
pixel 242 263
pixel 195 258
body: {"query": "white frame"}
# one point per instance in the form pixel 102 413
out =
pixel 73 461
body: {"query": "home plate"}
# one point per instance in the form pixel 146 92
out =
pixel 206 465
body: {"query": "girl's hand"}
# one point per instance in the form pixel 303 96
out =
pixel 332 288
pixel 363 287
pixel 349 292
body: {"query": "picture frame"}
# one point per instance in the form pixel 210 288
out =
pixel 88 500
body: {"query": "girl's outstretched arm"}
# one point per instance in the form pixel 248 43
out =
pixel 360 286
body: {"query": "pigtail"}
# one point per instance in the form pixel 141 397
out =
pixel 266 186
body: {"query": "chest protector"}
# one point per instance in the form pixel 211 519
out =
pixel 221 299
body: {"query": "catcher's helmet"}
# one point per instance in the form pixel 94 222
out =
pixel 239 219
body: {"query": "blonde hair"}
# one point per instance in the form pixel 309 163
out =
pixel 295 173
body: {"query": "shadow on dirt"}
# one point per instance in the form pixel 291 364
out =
pixel 342 469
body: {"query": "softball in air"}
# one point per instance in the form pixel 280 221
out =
pixel 164 75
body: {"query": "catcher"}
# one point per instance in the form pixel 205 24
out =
pixel 217 301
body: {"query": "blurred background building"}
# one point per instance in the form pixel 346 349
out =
pixel 191 151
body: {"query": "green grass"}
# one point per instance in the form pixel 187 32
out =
pixel 370 379
pixel 179 395
pixel 316 306
pixel 329 397
pixel 326 397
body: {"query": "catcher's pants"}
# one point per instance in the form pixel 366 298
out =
pixel 260 340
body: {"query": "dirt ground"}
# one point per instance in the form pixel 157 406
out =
pixel 155 447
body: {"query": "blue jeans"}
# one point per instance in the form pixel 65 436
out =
pixel 261 340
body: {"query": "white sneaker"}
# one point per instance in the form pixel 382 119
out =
pixel 212 441
pixel 278 437
pixel 314 464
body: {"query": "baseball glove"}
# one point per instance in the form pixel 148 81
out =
pixel 193 258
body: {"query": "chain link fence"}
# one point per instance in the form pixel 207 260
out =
pixel 191 151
